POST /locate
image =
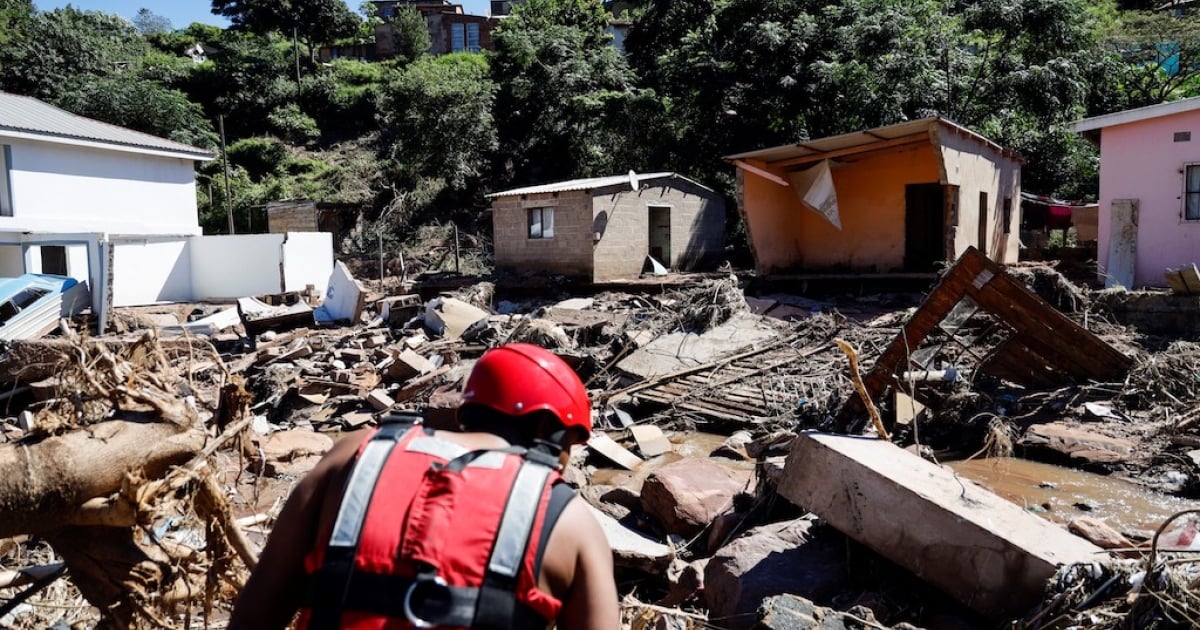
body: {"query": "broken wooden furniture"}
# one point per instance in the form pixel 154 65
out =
pixel 978 318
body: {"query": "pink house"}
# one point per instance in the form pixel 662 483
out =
pixel 1149 190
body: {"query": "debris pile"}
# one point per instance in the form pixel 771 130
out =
pixel 141 473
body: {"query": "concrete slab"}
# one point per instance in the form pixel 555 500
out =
pixel 992 555
pixel 679 351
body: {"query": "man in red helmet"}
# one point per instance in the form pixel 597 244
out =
pixel 413 528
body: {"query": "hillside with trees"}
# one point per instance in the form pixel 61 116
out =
pixel 418 139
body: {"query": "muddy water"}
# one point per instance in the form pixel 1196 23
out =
pixel 692 444
pixel 1055 492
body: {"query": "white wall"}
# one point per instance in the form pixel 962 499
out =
pixel 151 270
pixel 308 259
pixel 62 188
pixel 228 267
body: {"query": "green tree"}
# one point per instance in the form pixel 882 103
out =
pixel 142 105
pixel 314 21
pixel 1159 54
pixel 566 98
pixel 14 18
pixel 248 82
pixel 61 45
pixel 411 35
pixel 438 134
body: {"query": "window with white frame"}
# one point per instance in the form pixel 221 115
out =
pixel 541 222
pixel 1191 192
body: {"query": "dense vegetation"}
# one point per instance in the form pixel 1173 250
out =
pixel 417 139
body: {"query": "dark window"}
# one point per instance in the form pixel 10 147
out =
pixel 54 259
pixel 541 223
pixel 1191 193
pixel 1008 215
pixel 1183 136
pixel 983 218
pixel 387 12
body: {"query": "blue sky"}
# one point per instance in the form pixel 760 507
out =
pixel 184 12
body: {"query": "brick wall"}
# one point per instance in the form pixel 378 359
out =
pixel 569 252
pixel 622 217
pixel 292 219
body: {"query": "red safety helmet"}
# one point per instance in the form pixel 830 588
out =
pixel 519 379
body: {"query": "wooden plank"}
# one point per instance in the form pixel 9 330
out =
pixel 1174 278
pixel 614 452
pixel 894 143
pixel 650 440
pixel 1191 278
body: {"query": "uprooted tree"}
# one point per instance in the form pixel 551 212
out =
pixel 117 458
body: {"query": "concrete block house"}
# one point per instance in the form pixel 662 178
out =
pixel 1149 191
pixel 603 228
pixel 896 199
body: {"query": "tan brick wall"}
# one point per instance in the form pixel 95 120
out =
pixel 697 227
pixel 569 252
pixel 292 219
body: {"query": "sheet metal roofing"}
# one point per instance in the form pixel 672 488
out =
pixel 28 115
pixel 1137 115
pixel 591 183
pixel 863 139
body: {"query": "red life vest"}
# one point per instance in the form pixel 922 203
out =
pixel 431 535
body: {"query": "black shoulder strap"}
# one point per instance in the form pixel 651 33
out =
pixel 560 495
pixel 497 605
pixel 329 585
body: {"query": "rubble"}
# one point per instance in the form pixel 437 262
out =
pixel 987 552
pixel 686 496
pixel 772 560
pixel 695 471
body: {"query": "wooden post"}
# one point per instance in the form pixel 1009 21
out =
pixel 381 261
pixel 457 258
pixel 228 189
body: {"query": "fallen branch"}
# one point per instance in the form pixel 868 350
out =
pixel 861 388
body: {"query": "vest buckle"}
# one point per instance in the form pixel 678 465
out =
pixel 427 601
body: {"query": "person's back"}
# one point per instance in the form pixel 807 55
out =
pixel 431 550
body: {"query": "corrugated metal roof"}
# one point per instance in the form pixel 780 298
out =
pixel 1137 115
pixel 591 183
pixel 28 115
pixel 862 139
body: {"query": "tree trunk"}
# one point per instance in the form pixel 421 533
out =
pixel 45 483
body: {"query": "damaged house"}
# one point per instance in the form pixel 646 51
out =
pixel 900 198
pixel 1149 190
pixel 116 208
pixel 603 228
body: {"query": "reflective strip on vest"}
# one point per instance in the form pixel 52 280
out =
pixel 357 497
pixel 523 503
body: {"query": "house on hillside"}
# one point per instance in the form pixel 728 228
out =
pixel 900 198
pixel 1149 190
pixel 451 29
pixel 603 228
pixel 117 208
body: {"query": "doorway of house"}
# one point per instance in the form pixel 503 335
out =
pixel 660 234
pixel 924 226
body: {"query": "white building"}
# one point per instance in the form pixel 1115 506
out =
pixel 117 208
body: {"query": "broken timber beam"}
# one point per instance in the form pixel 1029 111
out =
pixel 1051 347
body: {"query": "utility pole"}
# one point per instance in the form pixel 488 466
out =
pixel 296 54
pixel 228 188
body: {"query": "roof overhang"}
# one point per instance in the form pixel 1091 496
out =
pixel 901 135
pixel 202 156
pixel 1098 123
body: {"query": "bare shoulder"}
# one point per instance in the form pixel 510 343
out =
pixel 580 570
